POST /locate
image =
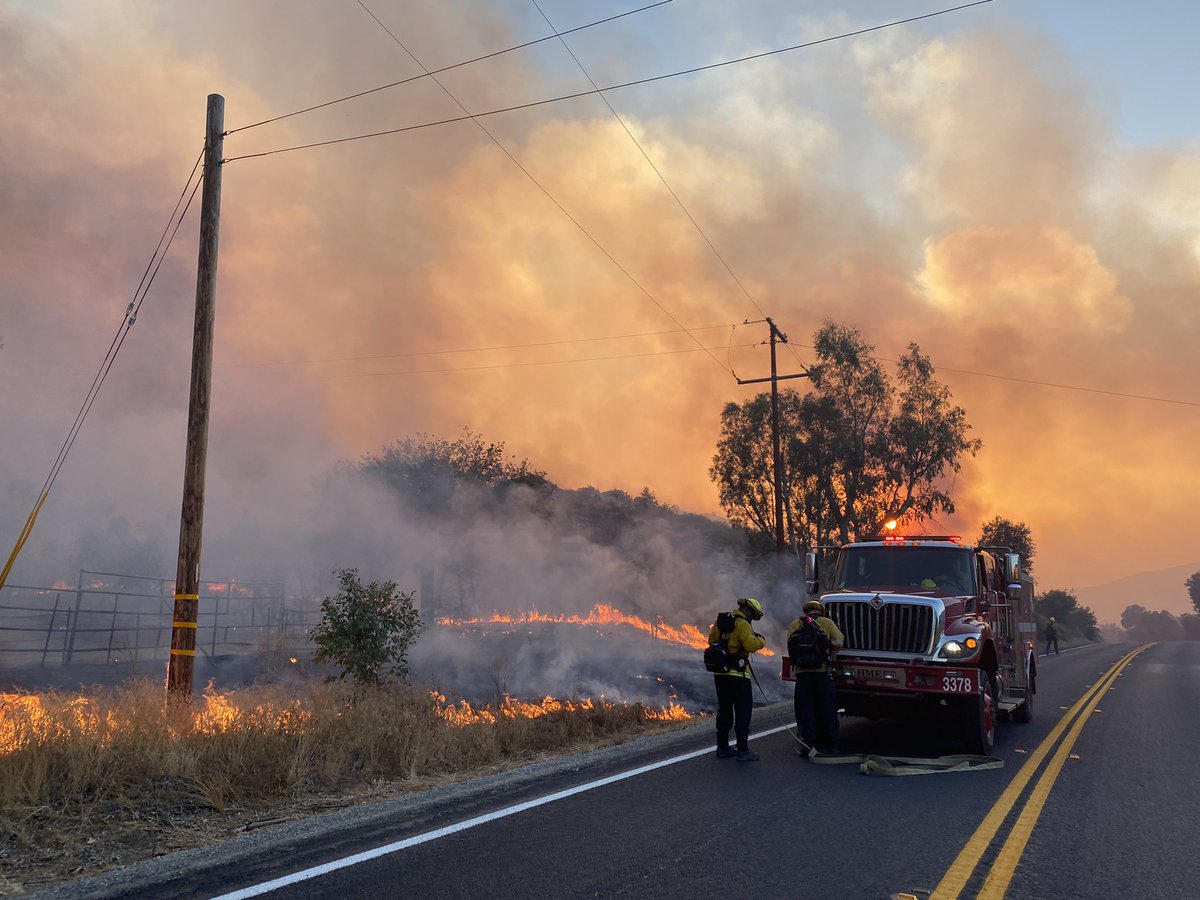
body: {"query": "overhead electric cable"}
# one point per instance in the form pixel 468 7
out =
pixel 525 365
pixel 1069 387
pixel 106 366
pixel 128 318
pixel 562 40
pixel 551 197
pixel 458 65
pixel 1036 383
pixel 612 87
pixel 587 340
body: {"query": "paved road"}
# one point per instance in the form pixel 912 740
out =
pixel 1094 801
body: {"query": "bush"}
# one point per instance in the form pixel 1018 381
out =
pixel 366 629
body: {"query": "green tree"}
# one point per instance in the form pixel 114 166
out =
pixel 1193 589
pixel 858 449
pixel 1001 532
pixel 1072 619
pixel 366 629
pixel 743 467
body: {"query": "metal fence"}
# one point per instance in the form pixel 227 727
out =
pixel 111 617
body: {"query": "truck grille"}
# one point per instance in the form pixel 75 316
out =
pixel 896 627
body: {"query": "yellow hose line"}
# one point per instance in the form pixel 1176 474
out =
pixel 25 532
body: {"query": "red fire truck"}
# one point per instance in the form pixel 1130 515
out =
pixel 932 625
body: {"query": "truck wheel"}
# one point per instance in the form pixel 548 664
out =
pixel 980 719
pixel 1024 712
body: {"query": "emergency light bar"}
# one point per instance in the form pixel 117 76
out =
pixel 900 539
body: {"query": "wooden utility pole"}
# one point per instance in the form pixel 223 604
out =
pixel 187 575
pixel 776 440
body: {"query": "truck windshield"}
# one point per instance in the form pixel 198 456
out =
pixel 920 568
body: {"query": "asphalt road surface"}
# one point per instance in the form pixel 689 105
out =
pixel 1096 799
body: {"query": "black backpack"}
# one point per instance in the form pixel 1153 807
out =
pixel 809 645
pixel 717 657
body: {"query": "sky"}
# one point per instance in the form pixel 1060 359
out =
pixel 1013 186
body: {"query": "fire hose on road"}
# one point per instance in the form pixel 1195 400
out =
pixel 878 764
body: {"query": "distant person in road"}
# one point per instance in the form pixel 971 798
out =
pixel 815 698
pixel 1051 636
pixel 735 699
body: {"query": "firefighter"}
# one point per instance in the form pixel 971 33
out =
pixel 1051 636
pixel 815 699
pixel 734 696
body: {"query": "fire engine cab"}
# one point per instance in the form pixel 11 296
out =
pixel 932 626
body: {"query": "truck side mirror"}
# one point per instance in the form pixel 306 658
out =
pixel 1012 568
pixel 810 573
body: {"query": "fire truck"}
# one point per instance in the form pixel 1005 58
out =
pixel 932 626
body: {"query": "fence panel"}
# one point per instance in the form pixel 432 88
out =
pixel 113 618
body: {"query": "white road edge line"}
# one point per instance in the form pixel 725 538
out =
pixel 367 855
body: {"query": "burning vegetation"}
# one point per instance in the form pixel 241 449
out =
pixel 601 615
pixel 131 774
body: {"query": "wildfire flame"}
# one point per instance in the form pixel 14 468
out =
pixel 601 614
pixel 463 713
pixel 27 720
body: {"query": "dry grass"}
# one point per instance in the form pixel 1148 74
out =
pixel 88 782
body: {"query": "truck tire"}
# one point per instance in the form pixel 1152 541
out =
pixel 1024 712
pixel 979 718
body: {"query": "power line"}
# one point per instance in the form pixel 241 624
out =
pixel 658 172
pixel 1070 387
pixel 427 73
pixel 128 318
pixel 550 196
pixel 1037 383
pixel 614 337
pixel 106 366
pixel 127 322
pixel 524 365
pixel 613 87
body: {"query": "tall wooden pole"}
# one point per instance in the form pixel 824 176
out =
pixel 776 437
pixel 776 453
pixel 187 575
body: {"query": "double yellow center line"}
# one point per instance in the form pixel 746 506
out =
pixel 963 867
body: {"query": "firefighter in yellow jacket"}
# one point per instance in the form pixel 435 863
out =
pixel 734 696
pixel 815 699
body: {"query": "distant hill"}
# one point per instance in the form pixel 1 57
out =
pixel 1154 590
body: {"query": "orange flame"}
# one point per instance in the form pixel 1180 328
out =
pixel 601 614
pixel 26 720
pixel 462 714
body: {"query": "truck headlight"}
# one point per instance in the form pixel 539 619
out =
pixel 959 649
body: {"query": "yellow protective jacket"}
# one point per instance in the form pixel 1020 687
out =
pixel 744 641
pixel 836 639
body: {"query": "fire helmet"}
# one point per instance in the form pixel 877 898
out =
pixel 814 606
pixel 751 607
